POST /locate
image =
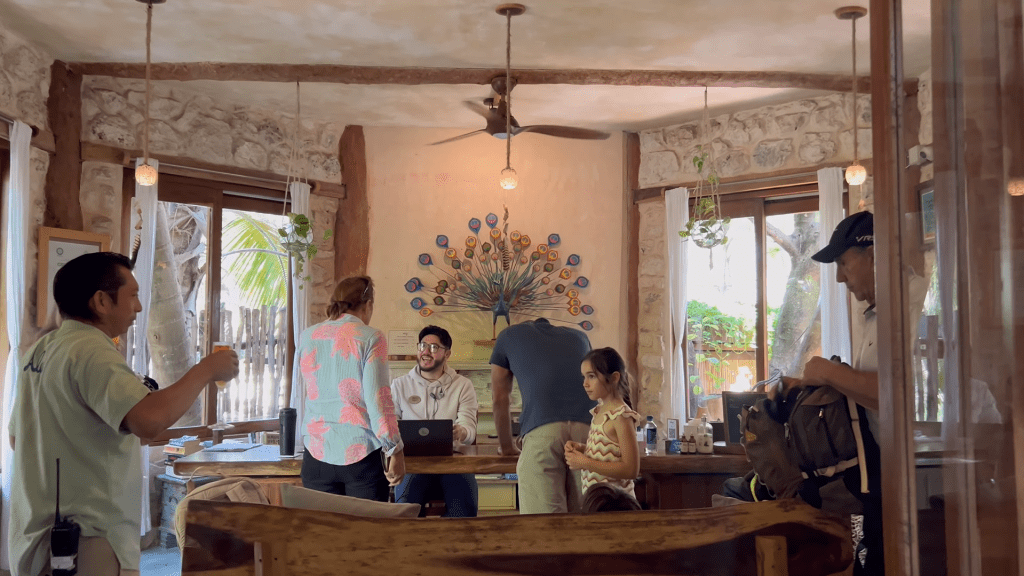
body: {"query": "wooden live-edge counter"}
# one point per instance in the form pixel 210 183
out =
pixel 481 459
pixel 672 481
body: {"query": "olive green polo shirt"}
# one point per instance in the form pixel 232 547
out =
pixel 74 390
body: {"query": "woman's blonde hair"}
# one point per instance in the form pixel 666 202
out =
pixel 350 294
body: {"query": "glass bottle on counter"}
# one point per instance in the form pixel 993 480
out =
pixel 705 437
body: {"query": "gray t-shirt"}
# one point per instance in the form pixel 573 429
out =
pixel 545 360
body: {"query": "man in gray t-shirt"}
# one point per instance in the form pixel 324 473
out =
pixel 545 360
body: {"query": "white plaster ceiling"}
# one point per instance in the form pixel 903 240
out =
pixel 742 35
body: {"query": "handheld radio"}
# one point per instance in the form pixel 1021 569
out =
pixel 63 541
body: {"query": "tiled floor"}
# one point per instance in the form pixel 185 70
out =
pixel 158 561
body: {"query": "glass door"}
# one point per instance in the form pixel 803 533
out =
pixel 948 181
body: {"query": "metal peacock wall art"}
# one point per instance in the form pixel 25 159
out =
pixel 502 274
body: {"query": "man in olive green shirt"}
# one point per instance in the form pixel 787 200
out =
pixel 77 400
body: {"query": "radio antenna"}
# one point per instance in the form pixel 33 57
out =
pixel 58 491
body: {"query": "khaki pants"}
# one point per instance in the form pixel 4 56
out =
pixel 97 558
pixel 546 485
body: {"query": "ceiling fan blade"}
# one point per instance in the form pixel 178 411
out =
pixel 564 132
pixel 478 108
pixel 459 137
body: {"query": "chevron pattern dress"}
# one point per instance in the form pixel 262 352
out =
pixel 600 446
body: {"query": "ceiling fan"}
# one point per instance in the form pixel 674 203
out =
pixel 496 110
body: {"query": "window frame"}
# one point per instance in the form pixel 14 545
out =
pixel 218 196
pixel 759 204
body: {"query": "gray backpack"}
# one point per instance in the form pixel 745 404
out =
pixel 812 434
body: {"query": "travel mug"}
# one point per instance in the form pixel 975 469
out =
pixel 287 418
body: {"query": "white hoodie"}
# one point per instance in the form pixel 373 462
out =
pixel 450 397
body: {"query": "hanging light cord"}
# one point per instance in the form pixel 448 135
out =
pixel 855 147
pixel 149 33
pixel 508 89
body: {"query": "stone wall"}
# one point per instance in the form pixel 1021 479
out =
pixel 24 80
pixel 653 263
pixel 190 125
pixel 804 133
pixel 321 269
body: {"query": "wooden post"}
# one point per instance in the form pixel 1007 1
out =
pixel 352 224
pixel 895 376
pixel 772 556
pixel 64 175
pixel 632 276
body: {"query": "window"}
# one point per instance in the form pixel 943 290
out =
pixel 220 276
pixel 753 302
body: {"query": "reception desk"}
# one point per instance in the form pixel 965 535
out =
pixel 666 481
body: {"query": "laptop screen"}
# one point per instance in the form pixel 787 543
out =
pixel 426 437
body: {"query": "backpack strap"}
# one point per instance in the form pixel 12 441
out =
pixel 855 421
pixel 831 471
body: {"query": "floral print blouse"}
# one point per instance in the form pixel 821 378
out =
pixel 348 410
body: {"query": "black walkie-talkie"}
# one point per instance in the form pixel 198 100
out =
pixel 63 541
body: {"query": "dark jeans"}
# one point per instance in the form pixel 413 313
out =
pixel 460 492
pixel 364 479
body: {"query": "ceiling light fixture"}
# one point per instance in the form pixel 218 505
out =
pixel 509 179
pixel 145 173
pixel 855 173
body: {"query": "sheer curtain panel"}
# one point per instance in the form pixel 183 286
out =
pixel 835 311
pixel 16 231
pixel 677 212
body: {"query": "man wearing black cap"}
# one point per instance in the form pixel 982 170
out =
pixel 852 249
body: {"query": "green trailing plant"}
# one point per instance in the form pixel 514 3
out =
pixel 297 240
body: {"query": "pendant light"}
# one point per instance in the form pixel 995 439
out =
pixel 509 179
pixel 855 173
pixel 145 173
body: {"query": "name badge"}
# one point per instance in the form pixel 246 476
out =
pixel 414 399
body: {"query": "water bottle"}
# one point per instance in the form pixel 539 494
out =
pixel 651 436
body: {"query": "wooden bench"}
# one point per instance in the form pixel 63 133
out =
pixel 765 539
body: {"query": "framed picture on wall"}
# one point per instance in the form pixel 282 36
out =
pixel 57 247
pixel 926 191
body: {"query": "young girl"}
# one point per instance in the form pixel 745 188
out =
pixel 611 454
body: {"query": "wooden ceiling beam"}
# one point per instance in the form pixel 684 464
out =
pixel 331 73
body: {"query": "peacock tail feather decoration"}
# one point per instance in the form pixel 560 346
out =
pixel 503 274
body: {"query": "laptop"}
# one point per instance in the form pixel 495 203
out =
pixel 426 437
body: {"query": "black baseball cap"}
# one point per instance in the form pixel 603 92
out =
pixel 855 230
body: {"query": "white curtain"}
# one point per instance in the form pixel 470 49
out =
pixel 299 192
pixel 835 312
pixel 677 212
pixel 146 197
pixel 16 233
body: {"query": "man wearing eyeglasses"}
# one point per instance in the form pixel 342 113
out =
pixel 434 391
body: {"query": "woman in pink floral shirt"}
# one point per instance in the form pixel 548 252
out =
pixel 349 425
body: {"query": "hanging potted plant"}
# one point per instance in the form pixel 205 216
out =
pixel 297 241
pixel 297 234
pixel 707 227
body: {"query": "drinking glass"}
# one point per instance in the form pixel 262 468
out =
pixel 221 385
